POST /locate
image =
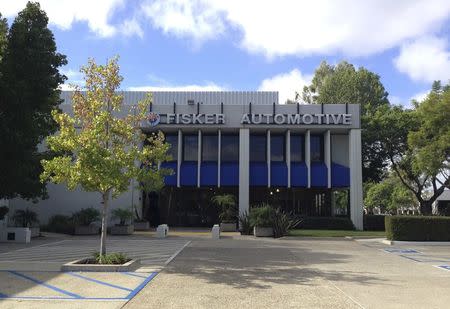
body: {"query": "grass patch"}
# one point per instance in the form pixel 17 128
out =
pixel 335 233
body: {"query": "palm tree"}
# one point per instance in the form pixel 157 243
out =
pixel 227 204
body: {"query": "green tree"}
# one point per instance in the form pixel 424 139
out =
pixel 29 81
pixel 344 84
pixel 3 35
pixel 99 149
pixel 417 145
pixel 389 195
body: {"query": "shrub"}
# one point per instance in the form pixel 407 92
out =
pixel 262 216
pixel 25 217
pixel 417 228
pixel 374 222
pixel 3 211
pixel 283 222
pixel 228 209
pixel 122 214
pixel 245 227
pixel 86 216
pixel 327 223
pixel 111 258
pixel 60 224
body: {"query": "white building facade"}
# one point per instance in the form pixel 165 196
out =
pixel 292 156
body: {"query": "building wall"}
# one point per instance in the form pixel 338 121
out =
pixel 340 161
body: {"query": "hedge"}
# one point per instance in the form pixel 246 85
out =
pixel 418 228
pixel 327 223
pixel 374 222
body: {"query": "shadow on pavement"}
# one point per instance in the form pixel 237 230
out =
pixel 260 264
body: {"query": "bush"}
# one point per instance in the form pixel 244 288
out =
pixel 245 227
pixel 327 223
pixel 3 211
pixel 262 216
pixel 25 217
pixel 86 216
pixel 60 224
pixel 417 228
pixel 283 222
pixel 122 214
pixel 111 258
pixel 227 205
pixel 374 222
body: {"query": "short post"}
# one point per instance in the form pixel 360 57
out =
pixel 162 231
pixel 215 232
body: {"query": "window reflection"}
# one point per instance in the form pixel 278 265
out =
pixel 172 140
pixel 257 148
pixel 297 148
pixel 190 147
pixel 277 148
pixel 209 147
pixel 229 148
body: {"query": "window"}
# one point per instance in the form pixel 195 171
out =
pixel 172 139
pixel 229 148
pixel 190 147
pixel 277 148
pixel 209 148
pixel 316 148
pixel 297 148
pixel 258 148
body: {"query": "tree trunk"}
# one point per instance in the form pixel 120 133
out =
pixel 105 198
pixel 425 208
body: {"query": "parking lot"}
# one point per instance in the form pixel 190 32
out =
pixel 30 274
pixel 235 271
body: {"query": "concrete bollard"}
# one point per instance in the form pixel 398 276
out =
pixel 215 232
pixel 162 231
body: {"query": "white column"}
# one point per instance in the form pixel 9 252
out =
pixel 244 158
pixel 288 156
pixel 308 155
pixel 327 150
pixel 268 158
pixel 180 156
pixel 219 153
pixel 356 193
pixel 199 156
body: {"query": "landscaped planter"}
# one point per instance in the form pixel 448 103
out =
pixel 35 231
pixel 86 230
pixel 227 227
pixel 262 231
pixel 122 229
pixel 80 265
pixel 141 226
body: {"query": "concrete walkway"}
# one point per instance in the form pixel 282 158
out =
pixel 297 273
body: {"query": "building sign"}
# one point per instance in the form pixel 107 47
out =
pixel 345 119
pixel 279 119
pixel 195 119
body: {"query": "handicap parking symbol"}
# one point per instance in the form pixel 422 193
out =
pixel 446 267
pixel 401 251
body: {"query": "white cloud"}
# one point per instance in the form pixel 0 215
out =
pixel 279 28
pixel 286 84
pixel 419 97
pixel 206 87
pixel 64 13
pixel 425 59
pixel 193 19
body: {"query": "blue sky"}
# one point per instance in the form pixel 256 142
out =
pixel 253 45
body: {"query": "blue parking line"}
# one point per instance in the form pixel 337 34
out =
pixel 54 288
pixel 99 282
pixel 141 286
pixel 133 274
